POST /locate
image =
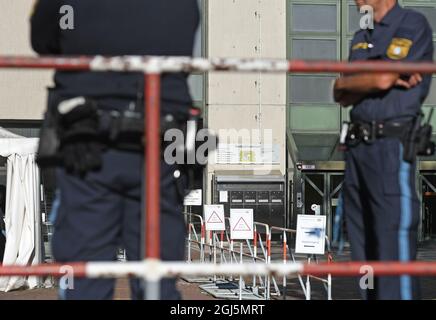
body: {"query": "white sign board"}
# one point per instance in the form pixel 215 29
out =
pixel 241 224
pixel 194 198
pixel 310 234
pixel 214 217
pixel 224 196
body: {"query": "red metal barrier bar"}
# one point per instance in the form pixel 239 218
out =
pixel 268 247
pixel 203 234
pixel 57 270
pixel 114 269
pixel 388 268
pixel 360 66
pixel 255 238
pixel 177 64
pixel 64 63
pixel 152 165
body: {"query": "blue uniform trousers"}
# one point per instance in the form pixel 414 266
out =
pixel 381 209
pixel 102 212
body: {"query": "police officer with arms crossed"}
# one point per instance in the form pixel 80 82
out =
pixel 91 120
pixel 380 204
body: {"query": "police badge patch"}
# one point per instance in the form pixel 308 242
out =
pixel 399 48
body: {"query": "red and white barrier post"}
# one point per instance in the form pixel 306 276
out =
pixel 152 269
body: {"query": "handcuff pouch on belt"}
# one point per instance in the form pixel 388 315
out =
pixel 70 135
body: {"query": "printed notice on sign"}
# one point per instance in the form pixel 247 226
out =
pixel 247 153
pixel 241 224
pixel 310 234
pixel 214 217
pixel 194 198
pixel 224 196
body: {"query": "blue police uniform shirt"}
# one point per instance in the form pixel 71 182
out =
pixel 402 35
pixel 116 28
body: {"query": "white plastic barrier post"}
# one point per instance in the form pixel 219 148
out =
pixel 257 241
pixel 308 293
pixel 203 243
pixel 189 242
pixel 241 283
pixel 214 255
pixel 329 276
pixel 193 237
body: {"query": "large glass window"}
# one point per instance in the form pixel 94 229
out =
pixel 314 33
pixel 428 9
pixel 309 49
pixel 314 17
pixel 311 89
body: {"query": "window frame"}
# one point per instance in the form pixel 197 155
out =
pixel 420 3
pixel 296 109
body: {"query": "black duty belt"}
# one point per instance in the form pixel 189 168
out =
pixel 125 129
pixel 355 132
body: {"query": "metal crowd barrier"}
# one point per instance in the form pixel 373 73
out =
pixel 195 244
pixel 219 248
pixel 289 253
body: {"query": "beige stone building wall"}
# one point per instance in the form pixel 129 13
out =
pixel 22 92
pixel 256 29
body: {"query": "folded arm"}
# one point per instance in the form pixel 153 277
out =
pixel 349 90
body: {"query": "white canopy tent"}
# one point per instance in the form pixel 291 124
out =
pixel 22 216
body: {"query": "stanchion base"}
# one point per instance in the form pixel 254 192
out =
pixel 194 279
pixel 223 289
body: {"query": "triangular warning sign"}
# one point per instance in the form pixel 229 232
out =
pixel 214 218
pixel 241 225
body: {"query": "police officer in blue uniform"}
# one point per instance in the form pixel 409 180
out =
pixel 385 134
pixel 100 166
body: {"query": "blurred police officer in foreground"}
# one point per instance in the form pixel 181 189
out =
pixel 92 117
pixel 385 135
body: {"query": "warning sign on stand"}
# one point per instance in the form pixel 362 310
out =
pixel 214 217
pixel 193 198
pixel 310 234
pixel 241 224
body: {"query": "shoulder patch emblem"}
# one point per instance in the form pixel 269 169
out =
pixel 360 45
pixel 399 48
